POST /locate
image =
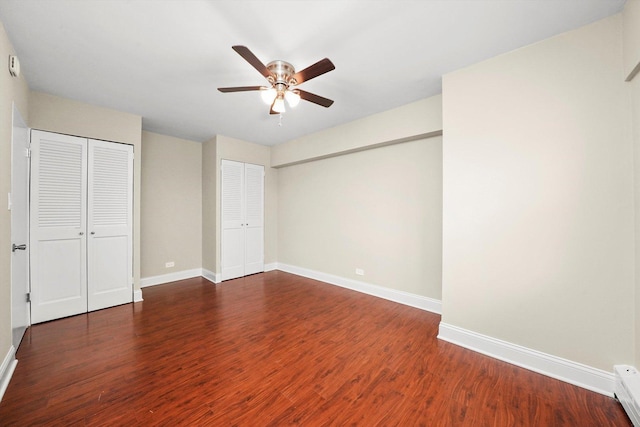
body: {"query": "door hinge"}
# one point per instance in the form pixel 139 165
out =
pixel 27 152
pixel 28 296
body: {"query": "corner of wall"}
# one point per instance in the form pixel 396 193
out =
pixel 631 38
pixel 631 46
pixel 209 204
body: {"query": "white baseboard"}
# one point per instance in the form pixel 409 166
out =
pixel 210 276
pixel 137 295
pixel 6 370
pixel 628 391
pixel 406 298
pixel 271 266
pixel 552 366
pixel 170 277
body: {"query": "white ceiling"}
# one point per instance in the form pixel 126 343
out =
pixel 165 59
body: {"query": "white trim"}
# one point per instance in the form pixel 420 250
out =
pixel 406 298
pixel 271 266
pixel 170 277
pixel 137 295
pixel 628 391
pixel 210 276
pixel 552 366
pixel 6 370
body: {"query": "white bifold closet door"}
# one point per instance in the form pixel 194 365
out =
pixel 242 219
pixel 110 225
pixel 58 225
pixel 81 225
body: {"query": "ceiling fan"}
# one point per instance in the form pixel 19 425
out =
pixel 283 79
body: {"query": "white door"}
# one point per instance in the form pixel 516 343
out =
pixel 232 208
pixel 110 225
pixel 19 228
pixel 58 226
pixel 254 219
pixel 242 219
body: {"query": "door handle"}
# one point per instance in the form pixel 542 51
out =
pixel 15 247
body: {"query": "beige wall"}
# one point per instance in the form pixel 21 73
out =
pixel 379 210
pixel 209 203
pixel 11 90
pixel 538 198
pixel 62 115
pixel 631 31
pixel 55 114
pixel 635 91
pixel 171 204
pixel 416 120
pixel 247 152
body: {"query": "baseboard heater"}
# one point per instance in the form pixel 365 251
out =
pixel 628 391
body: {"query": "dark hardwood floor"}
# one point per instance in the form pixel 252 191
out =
pixel 275 349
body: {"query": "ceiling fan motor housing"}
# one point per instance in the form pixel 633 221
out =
pixel 282 73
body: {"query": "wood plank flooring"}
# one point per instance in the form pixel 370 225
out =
pixel 275 349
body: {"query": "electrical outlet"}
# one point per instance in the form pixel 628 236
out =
pixel 359 272
pixel 169 264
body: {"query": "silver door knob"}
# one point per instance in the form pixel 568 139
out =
pixel 93 232
pixel 15 247
pixel 81 233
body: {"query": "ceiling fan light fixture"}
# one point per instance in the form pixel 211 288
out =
pixel 292 97
pixel 283 80
pixel 278 104
pixel 268 95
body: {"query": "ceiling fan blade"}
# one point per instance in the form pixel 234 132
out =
pixel 316 99
pixel 252 59
pixel 239 88
pixel 315 70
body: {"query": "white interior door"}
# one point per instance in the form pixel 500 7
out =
pixel 242 219
pixel 19 228
pixel 232 240
pixel 58 226
pixel 254 219
pixel 110 224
